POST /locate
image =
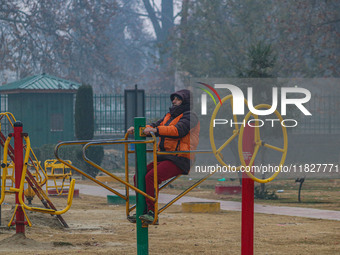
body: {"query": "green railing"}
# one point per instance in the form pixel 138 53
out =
pixel 5 125
pixel 325 117
pixel 109 111
pixel 110 115
pixel 3 103
pixel 156 106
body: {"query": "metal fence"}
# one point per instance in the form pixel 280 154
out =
pixel 110 115
pixel 156 106
pixel 109 112
pixel 325 119
pixel 4 125
pixel 3 103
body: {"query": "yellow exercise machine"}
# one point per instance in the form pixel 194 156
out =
pixel 58 171
pixel 238 132
pixel 35 176
pixel 20 190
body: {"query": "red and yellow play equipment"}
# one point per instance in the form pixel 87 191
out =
pixel 19 158
pixel 21 173
pixel 249 143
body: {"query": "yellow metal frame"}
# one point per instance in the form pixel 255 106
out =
pixel 22 181
pixel 52 165
pixel 259 143
pixel 40 173
pixel 4 171
pixel 10 177
pixel 59 145
pixel 3 184
pixel 126 182
pixel 124 141
pixel 103 142
pixel 15 210
pixel 9 116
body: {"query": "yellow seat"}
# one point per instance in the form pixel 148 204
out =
pixel 57 171
pixel 10 177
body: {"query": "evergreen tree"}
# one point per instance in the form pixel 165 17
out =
pixel 84 113
pixel 84 127
pixel 261 61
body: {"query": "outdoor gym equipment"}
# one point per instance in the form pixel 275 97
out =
pixel 35 179
pixel 124 141
pixel 236 131
pixel 248 141
pixel 58 171
pixel 8 178
pixel 257 142
pixel 252 141
pixel 20 179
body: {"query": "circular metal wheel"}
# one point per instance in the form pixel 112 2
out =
pixel 258 142
pixel 217 152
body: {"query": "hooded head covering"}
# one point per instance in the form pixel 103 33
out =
pixel 186 97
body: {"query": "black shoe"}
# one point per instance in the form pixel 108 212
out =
pixel 132 218
pixel 148 218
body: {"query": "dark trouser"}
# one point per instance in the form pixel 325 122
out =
pixel 165 170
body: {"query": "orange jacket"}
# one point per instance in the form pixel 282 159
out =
pixel 172 141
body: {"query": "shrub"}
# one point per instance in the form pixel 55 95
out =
pixel 84 113
pixel 84 127
pixel 73 153
pixel 68 153
pixel 95 154
pixel 264 194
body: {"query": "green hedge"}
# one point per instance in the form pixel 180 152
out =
pixel 73 153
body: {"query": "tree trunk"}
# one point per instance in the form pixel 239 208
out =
pixel 163 31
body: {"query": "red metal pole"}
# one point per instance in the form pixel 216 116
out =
pixel 18 161
pixel 247 238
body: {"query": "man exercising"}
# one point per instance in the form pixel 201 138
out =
pixel 178 130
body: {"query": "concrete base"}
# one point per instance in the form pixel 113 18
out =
pixel 201 207
pixel 53 192
pixel 116 200
pixel 105 178
pixel 228 190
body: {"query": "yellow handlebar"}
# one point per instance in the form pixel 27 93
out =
pixel 111 142
pixel 9 117
pixel 4 174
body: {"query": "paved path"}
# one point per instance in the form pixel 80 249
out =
pixel 226 205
